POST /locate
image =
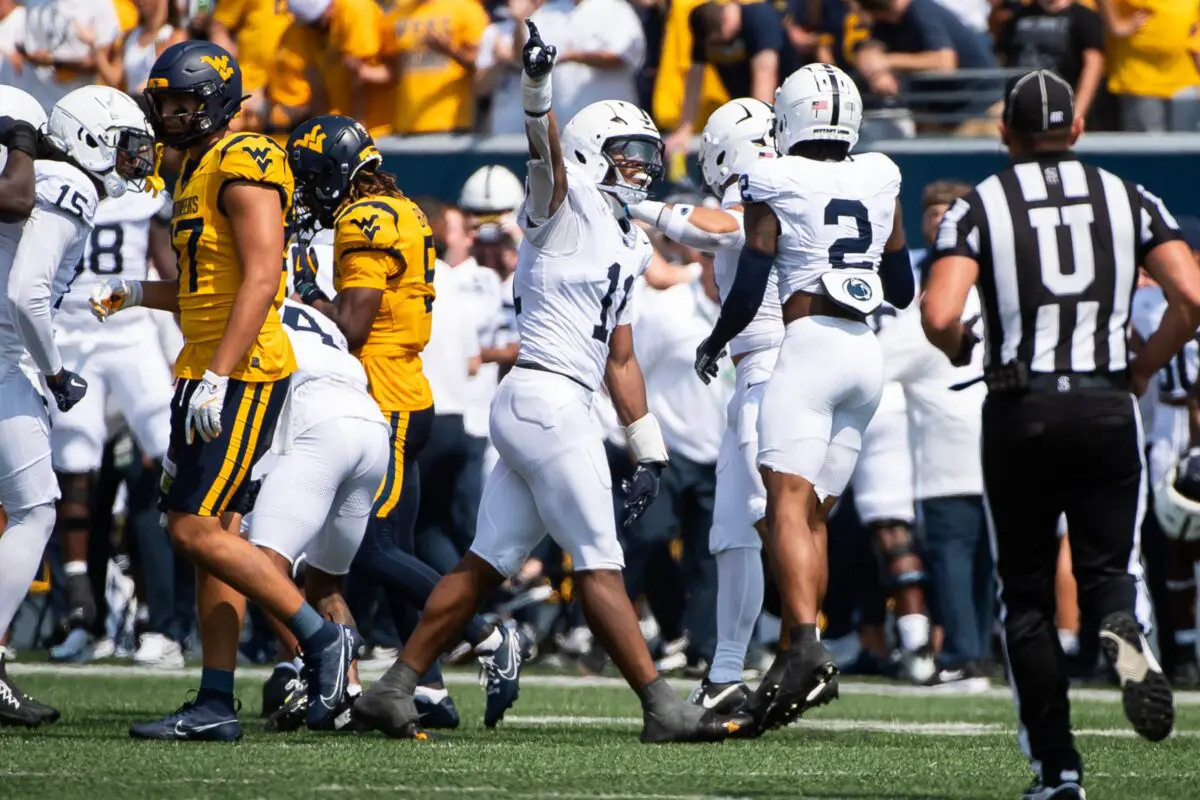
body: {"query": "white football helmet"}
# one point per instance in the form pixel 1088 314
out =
pixel 736 135
pixel 491 191
pixel 818 102
pixel 610 132
pixel 1177 498
pixel 21 105
pixel 106 134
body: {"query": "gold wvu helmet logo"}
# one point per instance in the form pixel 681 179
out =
pixel 313 140
pixel 221 65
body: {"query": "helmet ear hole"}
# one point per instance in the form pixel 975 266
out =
pixel 720 158
pixel 580 156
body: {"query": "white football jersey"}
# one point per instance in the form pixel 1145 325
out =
pixel 835 219
pixel 117 247
pixel 765 331
pixel 329 382
pixel 64 207
pixel 573 282
pixel 1164 407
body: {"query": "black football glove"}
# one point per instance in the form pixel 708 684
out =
pixel 641 489
pixel 304 275
pixel 706 361
pixel 67 388
pixel 17 134
pixel 537 56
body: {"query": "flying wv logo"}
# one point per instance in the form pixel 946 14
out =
pixel 367 226
pixel 261 156
pixel 221 65
pixel 313 140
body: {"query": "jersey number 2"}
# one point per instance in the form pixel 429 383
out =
pixel 601 332
pixel 849 245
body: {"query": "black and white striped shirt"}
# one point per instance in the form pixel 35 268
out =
pixel 1058 243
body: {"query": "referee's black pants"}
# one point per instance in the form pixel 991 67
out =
pixel 1045 454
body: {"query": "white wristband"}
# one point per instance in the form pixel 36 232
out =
pixel 133 294
pixel 647 211
pixel 535 95
pixel 645 440
pixel 677 223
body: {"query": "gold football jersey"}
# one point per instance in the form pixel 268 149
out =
pixel 210 273
pixel 385 243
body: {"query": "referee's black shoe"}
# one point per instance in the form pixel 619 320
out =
pixel 1149 703
pixel 802 677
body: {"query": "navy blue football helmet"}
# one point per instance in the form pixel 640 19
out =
pixel 202 69
pixel 325 154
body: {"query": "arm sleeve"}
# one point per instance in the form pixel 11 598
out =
pixel 45 240
pixel 744 298
pixel 1157 225
pixel 958 235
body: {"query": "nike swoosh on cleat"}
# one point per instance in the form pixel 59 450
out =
pixel 182 731
pixel 1130 664
pixel 330 702
pixel 713 702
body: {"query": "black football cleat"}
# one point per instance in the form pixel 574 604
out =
pixel 685 722
pixel 390 711
pixel 800 679
pixel 19 709
pixel 1145 692
pixel 325 672
pixel 284 681
pixel 288 715
pixel 721 698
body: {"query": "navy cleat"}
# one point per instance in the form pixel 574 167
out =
pixel 501 675
pixel 285 680
pixel 325 671
pixel 193 722
pixel 436 714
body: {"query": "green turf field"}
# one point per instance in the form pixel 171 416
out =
pixel 570 738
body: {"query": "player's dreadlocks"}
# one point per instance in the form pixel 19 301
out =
pixel 372 183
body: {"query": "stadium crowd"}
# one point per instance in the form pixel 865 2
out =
pixel 911 593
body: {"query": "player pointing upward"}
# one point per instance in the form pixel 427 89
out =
pixel 577 264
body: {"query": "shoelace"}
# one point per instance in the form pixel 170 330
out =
pixel 8 696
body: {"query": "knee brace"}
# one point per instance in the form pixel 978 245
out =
pixel 895 550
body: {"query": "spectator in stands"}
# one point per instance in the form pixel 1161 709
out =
pixel 67 44
pixel 498 64
pixel 972 13
pixel 838 27
pixel 915 36
pixel 432 46
pixel 12 34
pixel 159 25
pixel 748 47
pixel 251 30
pixel 1058 35
pixel 1152 58
pixel 600 58
pixel 340 41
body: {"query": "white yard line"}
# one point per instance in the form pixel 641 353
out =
pixel 371 671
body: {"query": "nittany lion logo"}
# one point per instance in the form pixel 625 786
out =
pixel 220 64
pixel 367 226
pixel 858 289
pixel 261 156
pixel 313 140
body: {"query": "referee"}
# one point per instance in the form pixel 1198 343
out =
pixel 1054 246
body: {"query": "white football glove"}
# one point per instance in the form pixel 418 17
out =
pixel 204 409
pixel 113 295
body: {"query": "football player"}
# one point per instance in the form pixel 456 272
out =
pixel 330 454
pixel 383 273
pixel 121 361
pixel 826 224
pixel 578 261
pixel 101 143
pixel 736 136
pixel 230 202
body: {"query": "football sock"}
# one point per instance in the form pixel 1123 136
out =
pixel 21 549
pixel 311 629
pixel 914 631
pixel 489 642
pixel 432 695
pixel 739 600
pixel 216 685
pixel 433 675
pixel 401 677
pixel 657 696
pixel 803 634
